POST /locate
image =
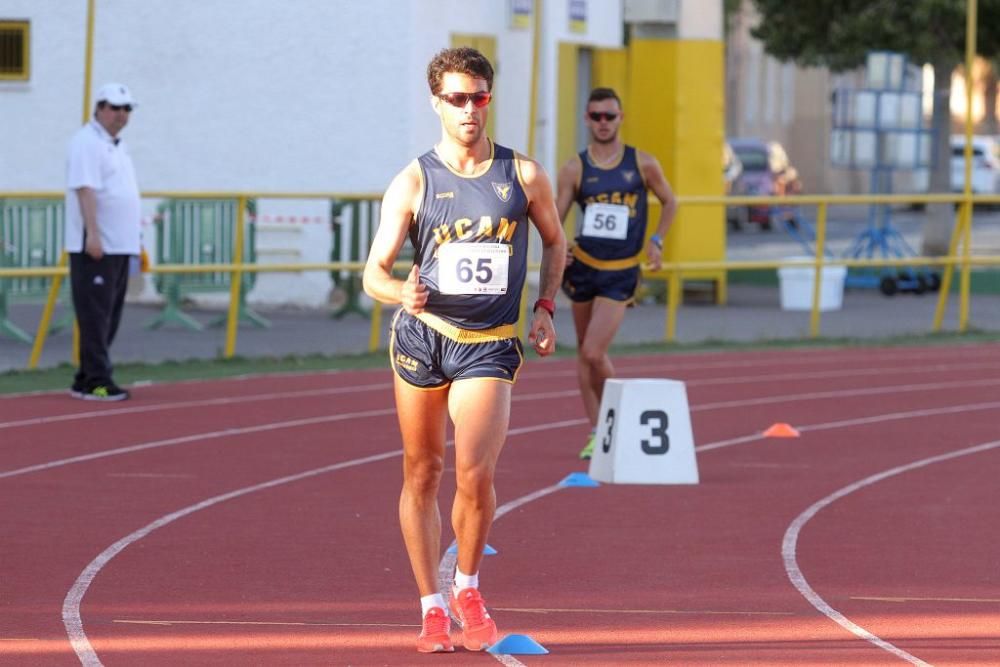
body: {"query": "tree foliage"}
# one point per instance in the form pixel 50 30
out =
pixel 839 33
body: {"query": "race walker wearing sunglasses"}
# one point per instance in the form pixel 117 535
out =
pixel 460 100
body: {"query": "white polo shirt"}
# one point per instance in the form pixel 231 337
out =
pixel 95 161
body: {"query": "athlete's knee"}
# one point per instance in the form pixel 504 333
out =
pixel 593 355
pixel 474 481
pixel 422 475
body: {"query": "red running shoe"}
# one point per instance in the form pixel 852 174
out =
pixel 435 636
pixel 478 629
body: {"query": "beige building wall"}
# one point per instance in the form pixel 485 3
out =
pixel 770 100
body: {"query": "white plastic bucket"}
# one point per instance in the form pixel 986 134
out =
pixel 797 286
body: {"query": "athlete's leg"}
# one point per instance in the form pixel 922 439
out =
pixel 593 363
pixel 581 321
pixel 480 410
pixel 422 418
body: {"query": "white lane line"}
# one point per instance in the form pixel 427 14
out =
pixel 936 386
pixel 169 442
pixel 653 612
pixel 766 358
pixel 446 567
pixel 210 435
pixel 916 599
pixel 71 605
pixel 295 623
pixel 774 377
pixel 180 405
pixel 790 542
pixel 858 421
pixel 151 475
pixel 847 393
pixel 526 397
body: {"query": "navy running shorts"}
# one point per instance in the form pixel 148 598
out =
pixel 429 353
pixel 583 283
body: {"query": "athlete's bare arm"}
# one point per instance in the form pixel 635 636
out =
pixel 545 217
pixel 657 182
pixel 399 206
pixel 569 175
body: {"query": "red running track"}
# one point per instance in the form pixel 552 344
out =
pixel 253 521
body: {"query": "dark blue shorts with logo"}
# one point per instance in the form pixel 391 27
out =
pixel 582 283
pixel 427 352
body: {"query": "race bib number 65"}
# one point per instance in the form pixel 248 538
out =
pixel 473 268
pixel 606 221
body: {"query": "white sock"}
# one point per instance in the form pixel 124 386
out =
pixel 463 581
pixel 433 600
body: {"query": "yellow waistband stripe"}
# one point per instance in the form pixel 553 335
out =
pixel 606 264
pixel 459 335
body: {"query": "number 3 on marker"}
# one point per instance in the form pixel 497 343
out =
pixel 659 430
pixel 610 421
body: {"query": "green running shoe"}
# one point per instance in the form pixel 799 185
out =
pixel 588 451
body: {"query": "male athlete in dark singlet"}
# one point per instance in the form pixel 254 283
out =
pixel 465 205
pixel 609 181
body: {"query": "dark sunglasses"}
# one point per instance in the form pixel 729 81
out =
pixel 119 107
pixel 479 100
pixel 598 116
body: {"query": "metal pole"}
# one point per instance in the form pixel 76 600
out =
pixel 235 280
pixel 970 55
pixel 818 273
pixel 536 40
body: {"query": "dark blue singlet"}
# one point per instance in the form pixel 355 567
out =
pixel 621 183
pixel 489 208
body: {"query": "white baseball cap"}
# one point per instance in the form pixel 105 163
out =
pixel 117 94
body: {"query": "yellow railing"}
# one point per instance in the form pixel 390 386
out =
pixel 673 272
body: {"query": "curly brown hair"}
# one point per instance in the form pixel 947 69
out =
pixel 464 60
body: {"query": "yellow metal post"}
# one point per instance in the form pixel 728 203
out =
pixel 818 273
pixel 45 322
pixel 88 68
pixel 235 281
pixel 88 60
pixel 946 273
pixel 536 46
pixel 963 301
pixel 970 55
pixel 376 331
pixel 673 303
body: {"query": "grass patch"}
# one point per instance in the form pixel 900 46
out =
pixel 59 377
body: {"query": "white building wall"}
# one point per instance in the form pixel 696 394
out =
pixel 261 96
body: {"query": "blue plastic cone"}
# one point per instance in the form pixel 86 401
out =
pixel 487 550
pixel 579 479
pixel 517 645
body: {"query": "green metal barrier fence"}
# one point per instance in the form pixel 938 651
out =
pixel 355 222
pixel 195 232
pixel 31 235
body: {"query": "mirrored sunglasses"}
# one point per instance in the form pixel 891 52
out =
pixel 479 99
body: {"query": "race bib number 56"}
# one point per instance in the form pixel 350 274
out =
pixel 606 221
pixel 473 268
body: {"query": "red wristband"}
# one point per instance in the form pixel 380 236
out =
pixel 548 305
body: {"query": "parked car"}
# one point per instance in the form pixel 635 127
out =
pixel 985 164
pixel 767 171
pixel 985 168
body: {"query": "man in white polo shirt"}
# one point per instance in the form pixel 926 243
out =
pixel 102 233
